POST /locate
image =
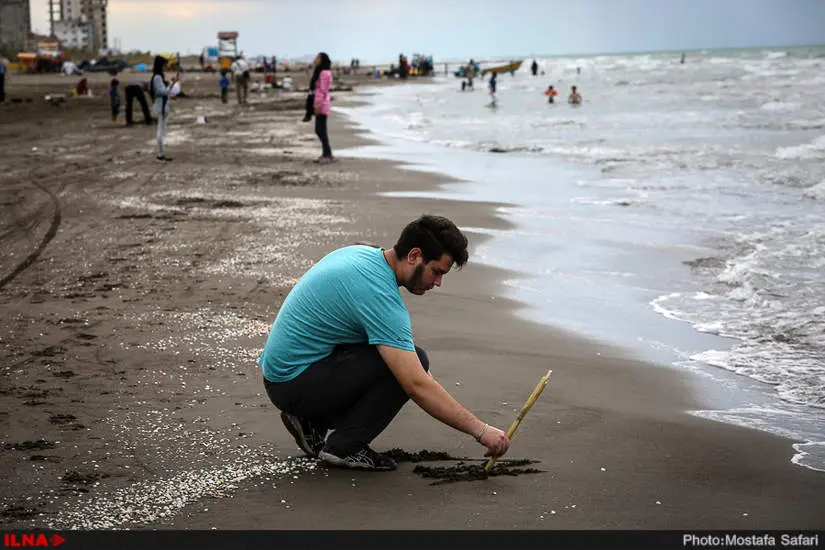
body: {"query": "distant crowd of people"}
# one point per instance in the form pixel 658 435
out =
pixel 162 90
pixel 469 72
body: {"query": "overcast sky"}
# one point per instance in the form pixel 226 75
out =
pixel 378 30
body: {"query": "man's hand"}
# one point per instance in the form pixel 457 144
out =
pixel 496 441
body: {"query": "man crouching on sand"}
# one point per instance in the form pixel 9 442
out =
pixel 340 361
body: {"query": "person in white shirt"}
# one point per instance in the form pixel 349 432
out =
pixel 240 72
pixel 161 91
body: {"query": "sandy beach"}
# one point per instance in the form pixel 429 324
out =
pixel 136 298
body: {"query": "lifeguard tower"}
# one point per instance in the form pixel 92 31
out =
pixel 227 49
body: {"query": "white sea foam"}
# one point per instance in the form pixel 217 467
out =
pixel 780 106
pixel 812 150
pixel 816 192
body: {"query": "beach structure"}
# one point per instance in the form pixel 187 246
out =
pixel 227 49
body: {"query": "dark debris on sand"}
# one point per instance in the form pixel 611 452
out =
pixel 461 471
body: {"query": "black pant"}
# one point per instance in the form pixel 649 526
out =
pixel 351 391
pixel 2 87
pixel 323 135
pixel 135 92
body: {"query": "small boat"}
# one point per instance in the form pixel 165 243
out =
pixel 513 66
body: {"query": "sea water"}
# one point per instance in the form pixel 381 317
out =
pixel 679 212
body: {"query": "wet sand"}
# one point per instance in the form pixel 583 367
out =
pixel 137 296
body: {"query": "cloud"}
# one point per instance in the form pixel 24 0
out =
pixel 180 9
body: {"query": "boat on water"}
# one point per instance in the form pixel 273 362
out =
pixel 511 67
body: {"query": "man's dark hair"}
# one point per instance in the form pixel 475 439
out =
pixel 434 235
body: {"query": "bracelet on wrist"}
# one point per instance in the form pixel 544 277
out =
pixel 483 431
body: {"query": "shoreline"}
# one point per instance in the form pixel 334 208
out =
pixel 725 396
pixel 183 270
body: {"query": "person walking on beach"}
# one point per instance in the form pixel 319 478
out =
pixel 161 91
pixel 114 98
pixel 321 103
pixel 179 67
pixel 340 361
pixel 469 72
pixel 224 86
pixel 134 91
pixel 2 80
pixel 240 70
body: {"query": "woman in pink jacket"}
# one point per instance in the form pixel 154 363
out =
pixel 321 104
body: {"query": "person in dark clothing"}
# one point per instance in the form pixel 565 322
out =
pixel 135 92
pixel 114 98
pixel 82 87
pixel 309 106
pixel 2 81
pixel 340 361
pixel 534 68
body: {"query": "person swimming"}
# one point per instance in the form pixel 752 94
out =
pixel 551 93
pixel 574 98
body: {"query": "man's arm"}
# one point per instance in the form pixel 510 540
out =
pixel 431 396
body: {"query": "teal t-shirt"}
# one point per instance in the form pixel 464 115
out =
pixel 350 297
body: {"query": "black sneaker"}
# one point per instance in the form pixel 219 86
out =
pixel 365 459
pixel 306 436
pixel 164 158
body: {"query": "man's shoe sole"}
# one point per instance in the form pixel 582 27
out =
pixel 333 460
pixel 293 425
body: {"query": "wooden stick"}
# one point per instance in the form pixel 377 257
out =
pixel 530 400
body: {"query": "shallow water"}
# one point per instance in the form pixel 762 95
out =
pixel 678 212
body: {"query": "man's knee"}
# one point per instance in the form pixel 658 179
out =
pixel 422 356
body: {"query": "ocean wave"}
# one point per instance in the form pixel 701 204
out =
pixel 795 373
pixel 515 149
pixel 775 350
pixel 807 124
pixel 555 122
pixel 780 106
pixel 710 262
pixel 812 150
pixel 816 192
pixel 625 201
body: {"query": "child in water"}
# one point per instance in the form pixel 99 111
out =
pixel 551 93
pixel 492 86
pixel 574 98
